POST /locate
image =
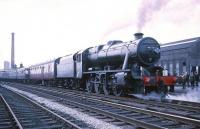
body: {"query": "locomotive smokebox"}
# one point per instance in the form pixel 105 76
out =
pixel 138 35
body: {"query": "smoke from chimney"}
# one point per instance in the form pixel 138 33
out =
pixel 146 11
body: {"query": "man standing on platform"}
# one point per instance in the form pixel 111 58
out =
pixel 192 79
pixel 196 77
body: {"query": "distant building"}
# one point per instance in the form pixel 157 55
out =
pixel 6 65
pixel 21 66
pixel 181 56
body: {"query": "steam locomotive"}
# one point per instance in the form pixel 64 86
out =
pixel 113 68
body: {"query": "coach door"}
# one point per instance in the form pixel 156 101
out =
pixel 42 72
pixel 78 66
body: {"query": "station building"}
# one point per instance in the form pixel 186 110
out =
pixel 181 56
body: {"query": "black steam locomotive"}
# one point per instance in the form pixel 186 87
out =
pixel 111 68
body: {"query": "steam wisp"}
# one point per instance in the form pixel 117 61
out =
pixel 188 94
pixel 147 10
pixel 192 95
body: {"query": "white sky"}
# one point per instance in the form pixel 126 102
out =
pixel 45 29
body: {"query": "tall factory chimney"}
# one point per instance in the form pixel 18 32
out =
pixel 12 50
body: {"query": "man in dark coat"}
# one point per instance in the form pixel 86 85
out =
pixel 192 79
pixel 187 79
pixel 196 77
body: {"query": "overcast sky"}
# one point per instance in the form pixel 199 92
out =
pixel 45 29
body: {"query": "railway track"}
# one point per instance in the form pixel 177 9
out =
pixel 7 118
pixel 181 108
pixel 25 113
pixel 118 113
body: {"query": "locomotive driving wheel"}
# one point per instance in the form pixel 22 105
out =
pixel 89 86
pixel 117 90
pixel 97 88
pixel 97 85
pixel 70 84
pixel 106 88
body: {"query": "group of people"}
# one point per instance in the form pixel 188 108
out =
pixel 191 79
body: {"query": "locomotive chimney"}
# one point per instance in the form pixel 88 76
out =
pixel 138 35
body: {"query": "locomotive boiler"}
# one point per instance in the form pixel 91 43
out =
pixel 143 51
pixel 116 67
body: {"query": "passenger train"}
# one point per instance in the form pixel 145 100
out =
pixel 114 68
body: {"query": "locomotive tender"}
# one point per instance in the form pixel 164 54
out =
pixel 111 68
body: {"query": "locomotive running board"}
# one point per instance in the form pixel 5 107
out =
pixel 107 71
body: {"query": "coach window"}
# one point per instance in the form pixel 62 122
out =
pixel 184 67
pixel 171 68
pixel 165 66
pixel 177 68
pixel 49 68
